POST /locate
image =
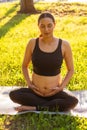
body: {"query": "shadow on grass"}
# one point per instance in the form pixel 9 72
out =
pixel 11 10
pixel 32 121
pixel 15 20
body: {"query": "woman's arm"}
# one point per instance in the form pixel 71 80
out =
pixel 26 61
pixel 69 64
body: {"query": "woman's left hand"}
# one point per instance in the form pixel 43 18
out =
pixel 57 89
pixel 54 90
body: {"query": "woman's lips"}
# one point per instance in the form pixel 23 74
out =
pixel 46 33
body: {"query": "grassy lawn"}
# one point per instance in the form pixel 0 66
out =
pixel 15 31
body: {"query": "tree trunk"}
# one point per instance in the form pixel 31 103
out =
pixel 27 6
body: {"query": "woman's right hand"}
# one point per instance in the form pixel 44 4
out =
pixel 32 86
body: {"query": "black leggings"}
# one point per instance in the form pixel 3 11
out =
pixel 62 101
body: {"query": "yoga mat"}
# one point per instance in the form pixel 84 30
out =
pixel 7 106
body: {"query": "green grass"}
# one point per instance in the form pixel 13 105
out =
pixel 15 31
pixel 42 122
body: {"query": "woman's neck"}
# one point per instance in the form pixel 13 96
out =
pixel 47 40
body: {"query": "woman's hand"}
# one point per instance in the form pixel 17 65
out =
pixel 32 86
pixel 56 89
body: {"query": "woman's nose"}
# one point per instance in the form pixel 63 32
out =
pixel 46 28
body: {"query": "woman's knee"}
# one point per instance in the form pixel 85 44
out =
pixel 13 95
pixel 74 102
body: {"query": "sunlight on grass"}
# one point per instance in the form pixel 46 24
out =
pixel 17 29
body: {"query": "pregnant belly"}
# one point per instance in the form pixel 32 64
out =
pixel 45 91
pixel 45 85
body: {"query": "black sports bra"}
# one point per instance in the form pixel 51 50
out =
pixel 47 63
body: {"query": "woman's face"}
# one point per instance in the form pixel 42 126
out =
pixel 46 26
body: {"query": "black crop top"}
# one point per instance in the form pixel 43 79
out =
pixel 47 63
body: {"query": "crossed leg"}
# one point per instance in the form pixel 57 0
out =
pixel 63 100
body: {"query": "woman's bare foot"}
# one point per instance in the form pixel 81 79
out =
pixel 25 108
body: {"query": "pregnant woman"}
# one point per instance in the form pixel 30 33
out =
pixel 46 87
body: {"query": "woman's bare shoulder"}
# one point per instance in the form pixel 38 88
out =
pixel 65 43
pixel 31 43
pixel 65 47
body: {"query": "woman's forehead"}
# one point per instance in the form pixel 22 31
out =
pixel 46 20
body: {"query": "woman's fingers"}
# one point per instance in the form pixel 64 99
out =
pixel 32 86
pixel 54 88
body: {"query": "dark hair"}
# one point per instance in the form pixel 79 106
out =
pixel 46 15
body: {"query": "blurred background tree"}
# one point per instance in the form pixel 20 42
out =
pixel 27 6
